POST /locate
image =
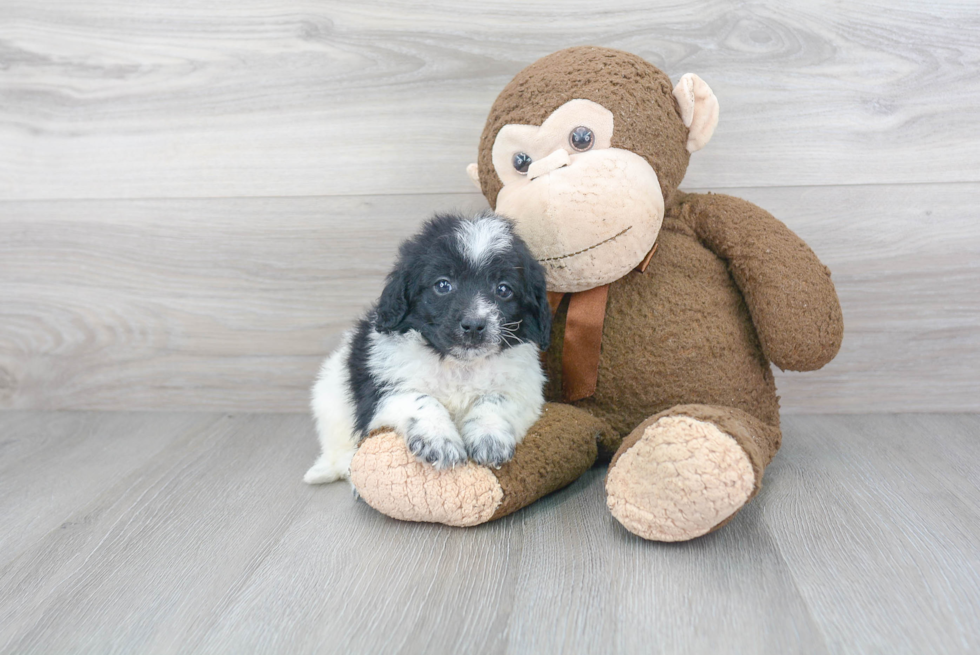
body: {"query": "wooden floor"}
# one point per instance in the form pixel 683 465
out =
pixel 192 533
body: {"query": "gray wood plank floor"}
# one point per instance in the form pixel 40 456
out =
pixel 166 533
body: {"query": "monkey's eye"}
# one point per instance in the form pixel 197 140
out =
pixel 581 138
pixel 442 286
pixel 521 161
pixel 504 292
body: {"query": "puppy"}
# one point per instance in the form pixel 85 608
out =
pixel 449 356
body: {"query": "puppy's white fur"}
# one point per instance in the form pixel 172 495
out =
pixel 334 415
pixel 477 405
pixel 482 238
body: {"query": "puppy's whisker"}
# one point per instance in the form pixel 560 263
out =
pixel 507 334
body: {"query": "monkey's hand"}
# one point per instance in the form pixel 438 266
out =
pixel 788 291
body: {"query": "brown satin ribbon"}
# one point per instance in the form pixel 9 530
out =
pixel 583 336
pixel 642 268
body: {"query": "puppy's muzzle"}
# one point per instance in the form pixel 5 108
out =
pixel 474 330
pixel 479 326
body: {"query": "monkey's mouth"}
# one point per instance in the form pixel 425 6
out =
pixel 583 250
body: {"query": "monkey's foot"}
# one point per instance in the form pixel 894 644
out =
pixel 677 478
pixel 556 451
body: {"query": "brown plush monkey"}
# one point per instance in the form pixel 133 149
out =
pixel 670 308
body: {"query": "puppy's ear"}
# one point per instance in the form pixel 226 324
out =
pixel 538 323
pixel 393 306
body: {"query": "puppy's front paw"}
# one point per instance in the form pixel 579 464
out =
pixel 438 445
pixel 490 447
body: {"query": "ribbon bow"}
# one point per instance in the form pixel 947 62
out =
pixel 583 336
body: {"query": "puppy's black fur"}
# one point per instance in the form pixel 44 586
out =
pixel 366 391
pixel 410 301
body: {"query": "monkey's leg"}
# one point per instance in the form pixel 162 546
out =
pixel 559 448
pixel 688 470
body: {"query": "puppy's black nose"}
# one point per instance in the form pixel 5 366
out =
pixel 473 326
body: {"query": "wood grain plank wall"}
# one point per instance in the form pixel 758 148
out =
pixel 195 200
pixel 173 99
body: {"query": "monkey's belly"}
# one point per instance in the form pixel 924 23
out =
pixel 679 333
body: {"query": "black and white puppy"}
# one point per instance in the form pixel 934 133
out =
pixel 449 357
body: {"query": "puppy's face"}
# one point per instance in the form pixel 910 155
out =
pixel 470 287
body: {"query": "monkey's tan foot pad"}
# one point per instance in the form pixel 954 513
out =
pixel 391 480
pixel 680 480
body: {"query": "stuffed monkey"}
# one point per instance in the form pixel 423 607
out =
pixel 669 308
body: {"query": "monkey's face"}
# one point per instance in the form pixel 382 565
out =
pixel 581 149
pixel 588 211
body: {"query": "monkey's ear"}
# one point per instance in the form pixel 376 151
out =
pixel 474 172
pixel 698 107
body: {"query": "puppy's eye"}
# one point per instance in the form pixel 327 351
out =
pixel 521 161
pixel 443 286
pixel 504 292
pixel 581 138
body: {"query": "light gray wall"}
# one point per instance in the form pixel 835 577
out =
pixel 195 200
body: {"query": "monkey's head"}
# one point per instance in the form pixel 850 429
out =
pixel 582 150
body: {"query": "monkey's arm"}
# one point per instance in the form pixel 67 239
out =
pixel 787 290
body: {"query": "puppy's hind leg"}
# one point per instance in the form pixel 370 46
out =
pixel 334 420
pixel 337 443
pixel 330 466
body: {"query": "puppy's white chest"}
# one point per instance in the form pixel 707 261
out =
pixel 406 364
pixel 458 387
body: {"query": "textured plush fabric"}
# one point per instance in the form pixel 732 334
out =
pixel 682 332
pixel 559 448
pixel 391 480
pixel 728 290
pixel 679 480
pixel 698 107
pixel 757 439
pixel 639 94
pixel 787 290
